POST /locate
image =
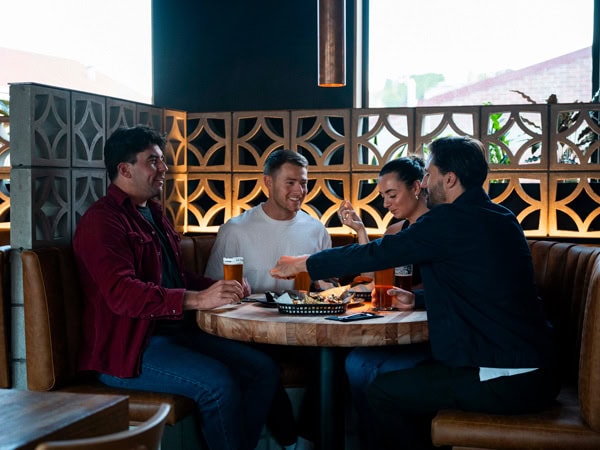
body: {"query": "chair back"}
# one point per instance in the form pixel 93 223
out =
pixel 145 436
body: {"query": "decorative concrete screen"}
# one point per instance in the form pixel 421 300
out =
pixel 544 159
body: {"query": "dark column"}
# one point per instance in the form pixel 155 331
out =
pixel 238 55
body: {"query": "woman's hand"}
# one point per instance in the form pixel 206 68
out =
pixel 222 292
pixel 349 217
pixel 288 266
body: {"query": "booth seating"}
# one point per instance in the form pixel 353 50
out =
pixel 5 378
pixel 53 305
pixel 568 280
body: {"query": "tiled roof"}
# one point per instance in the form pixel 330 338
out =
pixel 570 78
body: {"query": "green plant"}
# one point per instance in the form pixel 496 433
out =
pixel 497 156
pixel 565 121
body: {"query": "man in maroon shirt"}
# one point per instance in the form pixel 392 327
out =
pixel 139 327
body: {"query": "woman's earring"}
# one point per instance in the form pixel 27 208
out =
pixel 416 196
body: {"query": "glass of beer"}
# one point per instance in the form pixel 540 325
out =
pixel 384 280
pixel 302 282
pixel 403 277
pixel 233 268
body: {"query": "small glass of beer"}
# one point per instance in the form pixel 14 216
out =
pixel 233 268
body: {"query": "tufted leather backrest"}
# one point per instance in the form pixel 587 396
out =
pixel 5 379
pixel 568 280
pixel 195 250
pixel 52 304
pixel 589 364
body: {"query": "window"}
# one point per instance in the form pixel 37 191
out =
pixel 102 47
pixel 469 52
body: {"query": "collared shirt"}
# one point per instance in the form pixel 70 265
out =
pixel 119 259
pixel 479 291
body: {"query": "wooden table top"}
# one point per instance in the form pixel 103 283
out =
pixel 29 417
pixel 253 322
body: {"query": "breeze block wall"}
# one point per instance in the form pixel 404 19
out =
pixel 544 164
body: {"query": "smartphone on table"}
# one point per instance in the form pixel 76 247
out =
pixel 354 317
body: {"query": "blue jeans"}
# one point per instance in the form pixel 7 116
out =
pixel 232 384
pixel 364 364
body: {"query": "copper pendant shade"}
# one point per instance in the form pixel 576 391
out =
pixel 332 43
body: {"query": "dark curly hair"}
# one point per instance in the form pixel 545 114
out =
pixel 125 143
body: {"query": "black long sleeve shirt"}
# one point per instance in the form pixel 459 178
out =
pixel 479 291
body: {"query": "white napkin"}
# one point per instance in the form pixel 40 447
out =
pixel 285 299
pixel 337 291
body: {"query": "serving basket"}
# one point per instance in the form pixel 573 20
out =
pixel 312 309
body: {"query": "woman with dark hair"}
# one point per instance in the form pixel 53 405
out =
pixel 399 185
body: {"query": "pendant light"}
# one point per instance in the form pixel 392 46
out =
pixel 331 20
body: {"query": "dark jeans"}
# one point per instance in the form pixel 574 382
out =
pixel 364 364
pixel 232 384
pixel 404 402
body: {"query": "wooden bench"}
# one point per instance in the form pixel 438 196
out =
pixel 568 280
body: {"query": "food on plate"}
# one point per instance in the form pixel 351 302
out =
pixel 337 295
pixel 320 297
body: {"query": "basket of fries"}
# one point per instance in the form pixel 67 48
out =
pixel 312 303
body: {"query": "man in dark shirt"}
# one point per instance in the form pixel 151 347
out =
pixel 491 348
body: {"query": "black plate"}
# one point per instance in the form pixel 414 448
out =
pixel 260 299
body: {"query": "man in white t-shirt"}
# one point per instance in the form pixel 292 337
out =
pixel 274 228
pixel 261 236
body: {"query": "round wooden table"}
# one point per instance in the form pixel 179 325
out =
pixel 253 322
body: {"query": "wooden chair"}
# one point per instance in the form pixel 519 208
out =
pixel 146 436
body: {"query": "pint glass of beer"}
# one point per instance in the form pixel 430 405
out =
pixel 403 277
pixel 233 268
pixel 384 281
pixel 302 282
